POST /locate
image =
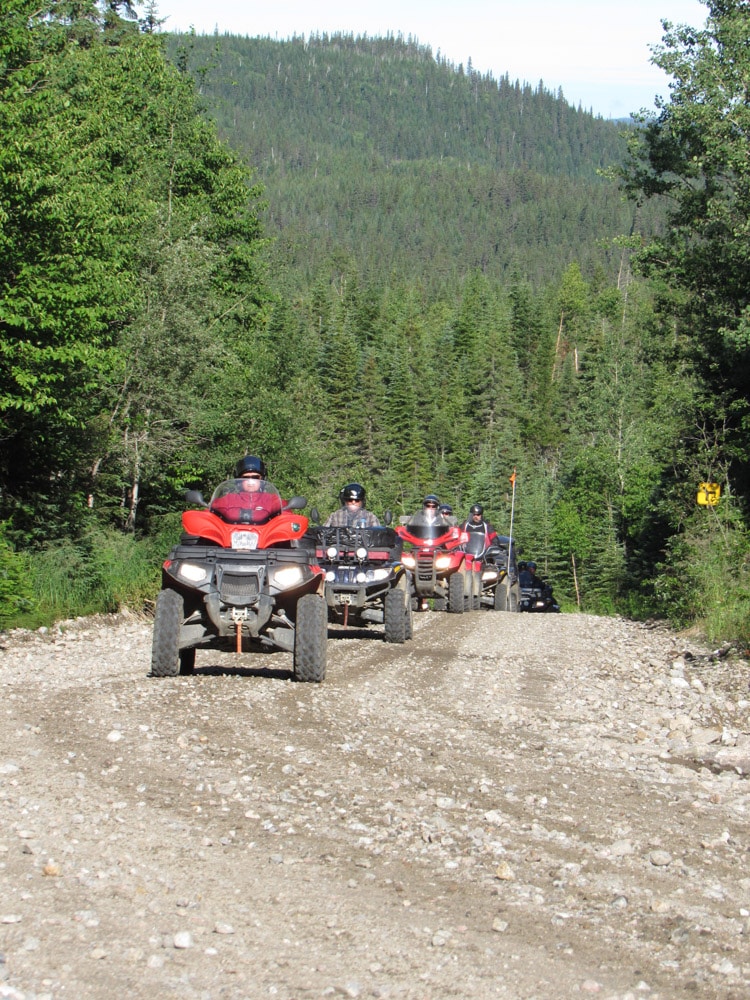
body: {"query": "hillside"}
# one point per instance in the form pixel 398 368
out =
pixel 375 149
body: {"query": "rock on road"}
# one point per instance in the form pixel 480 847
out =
pixel 508 806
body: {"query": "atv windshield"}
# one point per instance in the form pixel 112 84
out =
pixel 427 528
pixel 246 501
pixel 477 543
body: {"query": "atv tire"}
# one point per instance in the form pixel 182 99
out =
pixel 394 616
pixel 500 602
pixel 187 661
pixel 409 630
pixel 165 649
pixel 311 639
pixel 456 593
pixel 476 597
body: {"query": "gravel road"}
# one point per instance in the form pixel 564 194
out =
pixel 508 806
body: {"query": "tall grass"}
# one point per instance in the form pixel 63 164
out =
pixel 100 573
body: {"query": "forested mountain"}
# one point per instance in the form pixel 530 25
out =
pixel 363 263
pixel 374 148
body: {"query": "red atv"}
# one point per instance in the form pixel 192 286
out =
pixel 239 579
pixel 499 570
pixel 440 567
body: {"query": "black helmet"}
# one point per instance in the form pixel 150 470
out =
pixel 531 566
pixel 353 491
pixel 476 508
pixel 446 509
pixel 431 501
pixel 250 463
pixel 523 565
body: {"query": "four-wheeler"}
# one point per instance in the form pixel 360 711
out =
pixel 241 580
pixel 538 599
pixel 499 571
pixel 366 581
pixel 440 568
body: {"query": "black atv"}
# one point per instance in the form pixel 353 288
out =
pixel 536 594
pixel 539 600
pixel 365 582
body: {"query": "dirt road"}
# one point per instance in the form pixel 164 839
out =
pixel 507 806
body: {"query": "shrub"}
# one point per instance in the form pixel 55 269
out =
pixel 16 591
pixel 706 580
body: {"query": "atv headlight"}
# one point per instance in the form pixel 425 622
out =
pixel 361 553
pixel 361 577
pixel 290 576
pixel 409 561
pixel 489 574
pixel 376 575
pixel 332 551
pixel 193 572
pixel 442 562
pixel 330 575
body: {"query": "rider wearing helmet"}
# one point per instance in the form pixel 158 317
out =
pixel 446 511
pixel 431 507
pixel 352 513
pixel 527 576
pixel 250 465
pixel 477 524
pixel 248 492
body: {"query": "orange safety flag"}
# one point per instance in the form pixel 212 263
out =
pixel 513 478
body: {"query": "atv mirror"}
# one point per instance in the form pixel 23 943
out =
pixel 296 503
pixel 195 496
pixel 387 517
pixel 315 515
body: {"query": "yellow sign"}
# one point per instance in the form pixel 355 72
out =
pixel 708 494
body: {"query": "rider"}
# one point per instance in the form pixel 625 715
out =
pixel 529 579
pixel 536 581
pixel 352 513
pixel 431 507
pixel 476 524
pixel 250 475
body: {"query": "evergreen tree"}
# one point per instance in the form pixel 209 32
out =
pixel 692 152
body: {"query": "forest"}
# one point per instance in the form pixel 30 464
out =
pixel 365 263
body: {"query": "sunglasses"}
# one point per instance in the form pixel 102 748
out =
pixel 432 506
pixel 251 475
pixel 354 501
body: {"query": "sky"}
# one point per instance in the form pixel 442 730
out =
pixel 596 51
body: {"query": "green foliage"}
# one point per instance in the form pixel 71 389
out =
pixel 16 592
pixel 131 285
pixel 706 579
pixel 102 572
pixel 412 166
pixel 449 297
pixel 692 155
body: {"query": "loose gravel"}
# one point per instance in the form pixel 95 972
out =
pixel 507 806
